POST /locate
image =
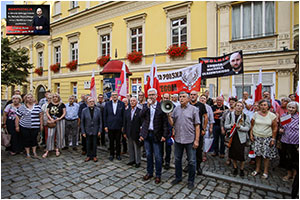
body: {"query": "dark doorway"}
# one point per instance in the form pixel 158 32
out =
pixel 40 92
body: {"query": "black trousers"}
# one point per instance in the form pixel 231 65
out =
pixel 289 156
pixel 115 138
pixel 83 141
pixel 295 187
pixel 124 144
pixel 199 152
pixel 103 138
pixel 91 145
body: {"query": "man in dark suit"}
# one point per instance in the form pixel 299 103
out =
pixel 91 127
pixel 113 123
pixel 81 107
pixel 132 127
pixel 154 133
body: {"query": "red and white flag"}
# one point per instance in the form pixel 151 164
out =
pixel 232 129
pixel 93 87
pixel 285 119
pixel 258 89
pixel 297 93
pixel 152 81
pixel 123 90
pixel 273 101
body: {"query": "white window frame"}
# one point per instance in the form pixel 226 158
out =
pixel 57 87
pixel 57 7
pixel 107 44
pixel 179 27
pixel 40 58
pixel 75 87
pixel 252 21
pixel 74 49
pixel 73 4
pixel 136 36
pixel 137 84
pixel 57 54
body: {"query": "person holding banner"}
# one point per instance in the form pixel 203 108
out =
pixel 290 139
pixel 239 124
pixel 263 133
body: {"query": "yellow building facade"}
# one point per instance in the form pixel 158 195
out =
pixel 86 30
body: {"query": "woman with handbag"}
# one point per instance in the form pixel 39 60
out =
pixel 290 140
pixel 9 117
pixel 263 133
pixel 56 112
pixel 239 124
pixel 29 121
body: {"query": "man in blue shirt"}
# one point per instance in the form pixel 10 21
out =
pixel 72 122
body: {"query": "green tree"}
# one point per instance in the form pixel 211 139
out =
pixel 14 64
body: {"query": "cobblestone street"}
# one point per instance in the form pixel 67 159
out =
pixel 68 176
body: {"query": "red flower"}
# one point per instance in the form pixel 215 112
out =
pixel 103 60
pixel 177 51
pixel 72 65
pixel 55 67
pixel 135 57
pixel 39 71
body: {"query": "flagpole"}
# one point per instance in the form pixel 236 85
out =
pixel 242 83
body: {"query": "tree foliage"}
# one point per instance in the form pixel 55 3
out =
pixel 14 64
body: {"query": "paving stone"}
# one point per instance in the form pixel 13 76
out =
pixel 210 188
pixel 30 192
pixel 218 195
pixel 118 195
pixel 159 191
pixel 221 189
pixel 151 196
pixel 248 188
pixel 179 196
pixel 57 188
pixel 80 195
pixel 46 180
pixel 98 195
pixel 134 195
pixel 109 189
pixel 260 192
pixel 5 194
pixel 89 190
pixel 50 197
pixel 17 196
pixel 98 186
pixel 241 196
pixel 255 196
pixel 45 193
pixel 62 194
pixel 67 184
pixel 247 193
pixel 91 181
pixel 19 183
pixel 232 195
pixel 33 196
pixel 45 186
pixel 205 192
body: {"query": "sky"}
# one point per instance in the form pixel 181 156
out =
pixel 3 8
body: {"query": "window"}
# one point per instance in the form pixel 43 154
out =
pixel 239 91
pixel 40 59
pixel 57 88
pixel 57 8
pixel 57 54
pixel 74 88
pixel 137 39
pixel 179 31
pixel 74 4
pixel 74 51
pixel 105 45
pixel 253 19
pixel 136 86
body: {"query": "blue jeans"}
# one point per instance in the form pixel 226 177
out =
pixel 166 149
pixel 191 156
pixel 156 148
pixel 217 134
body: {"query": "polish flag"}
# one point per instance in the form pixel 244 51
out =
pixel 285 119
pixel 297 93
pixel 123 90
pixel 258 89
pixel 93 87
pixel 153 81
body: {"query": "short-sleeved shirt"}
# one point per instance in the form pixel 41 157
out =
pixel 56 111
pixel 218 116
pixel 185 120
pixel 263 125
pixel 29 118
pixel 11 112
pixel 72 111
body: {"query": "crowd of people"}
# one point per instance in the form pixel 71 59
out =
pixel 197 125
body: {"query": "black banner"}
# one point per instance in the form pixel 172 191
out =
pixel 227 65
pixel 27 19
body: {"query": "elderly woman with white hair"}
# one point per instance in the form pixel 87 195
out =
pixel 56 112
pixel 9 117
pixel 290 139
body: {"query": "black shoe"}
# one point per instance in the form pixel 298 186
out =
pixel 137 165
pixel 190 186
pixel 65 148
pixel 167 166
pixel 131 163
pixel 199 171
pixel 119 158
pixel 144 155
pixel 235 171
pixel 242 173
pixel 74 148
pixel 186 169
pixel 111 158
pixel 174 182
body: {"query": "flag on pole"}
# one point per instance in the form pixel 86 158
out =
pixel 153 81
pixel 285 119
pixel 93 87
pixel 123 90
pixel 258 89
pixel 297 93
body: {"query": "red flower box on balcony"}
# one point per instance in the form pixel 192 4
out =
pixel 72 65
pixel 103 60
pixel 55 67
pixel 135 57
pixel 177 51
pixel 39 71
